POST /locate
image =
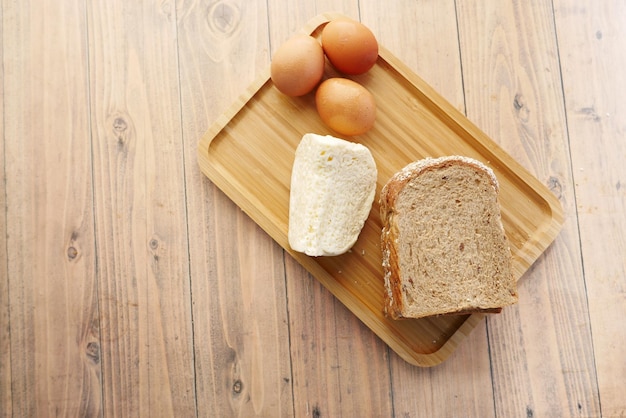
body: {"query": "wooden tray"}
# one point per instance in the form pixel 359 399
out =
pixel 248 153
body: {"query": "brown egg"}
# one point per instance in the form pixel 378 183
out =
pixel 345 106
pixel 298 65
pixel 350 46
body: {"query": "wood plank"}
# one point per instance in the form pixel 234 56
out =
pixel 426 39
pixel 53 363
pixel 144 291
pixel 238 281
pixel 340 367
pixel 5 326
pixel 591 47
pixel 541 350
pixel 288 17
pixel 329 345
pixel 55 354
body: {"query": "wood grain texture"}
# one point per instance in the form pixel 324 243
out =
pixel 328 350
pixel 143 272
pixel 340 367
pixel 131 286
pixel 512 90
pixel 55 361
pixel 241 333
pixel 5 320
pixel 591 40
pixel 426 39
pixel 287 18
pixel 248 154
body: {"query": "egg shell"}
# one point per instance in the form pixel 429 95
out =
pixel 350 46
pixel 298 65
pixel 345 106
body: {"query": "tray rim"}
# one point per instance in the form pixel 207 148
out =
pixel 530 248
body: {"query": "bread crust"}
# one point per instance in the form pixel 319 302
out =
pixel 393 306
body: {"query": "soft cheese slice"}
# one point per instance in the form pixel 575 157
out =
pixel 333 183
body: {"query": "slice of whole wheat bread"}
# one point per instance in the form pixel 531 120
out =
pixel 444 247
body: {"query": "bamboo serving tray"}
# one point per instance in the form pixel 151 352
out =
pixel 249 151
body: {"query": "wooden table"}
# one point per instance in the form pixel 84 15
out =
pixel 131 286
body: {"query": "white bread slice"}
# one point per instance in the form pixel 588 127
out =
pixel 444 247
pixel 333 183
